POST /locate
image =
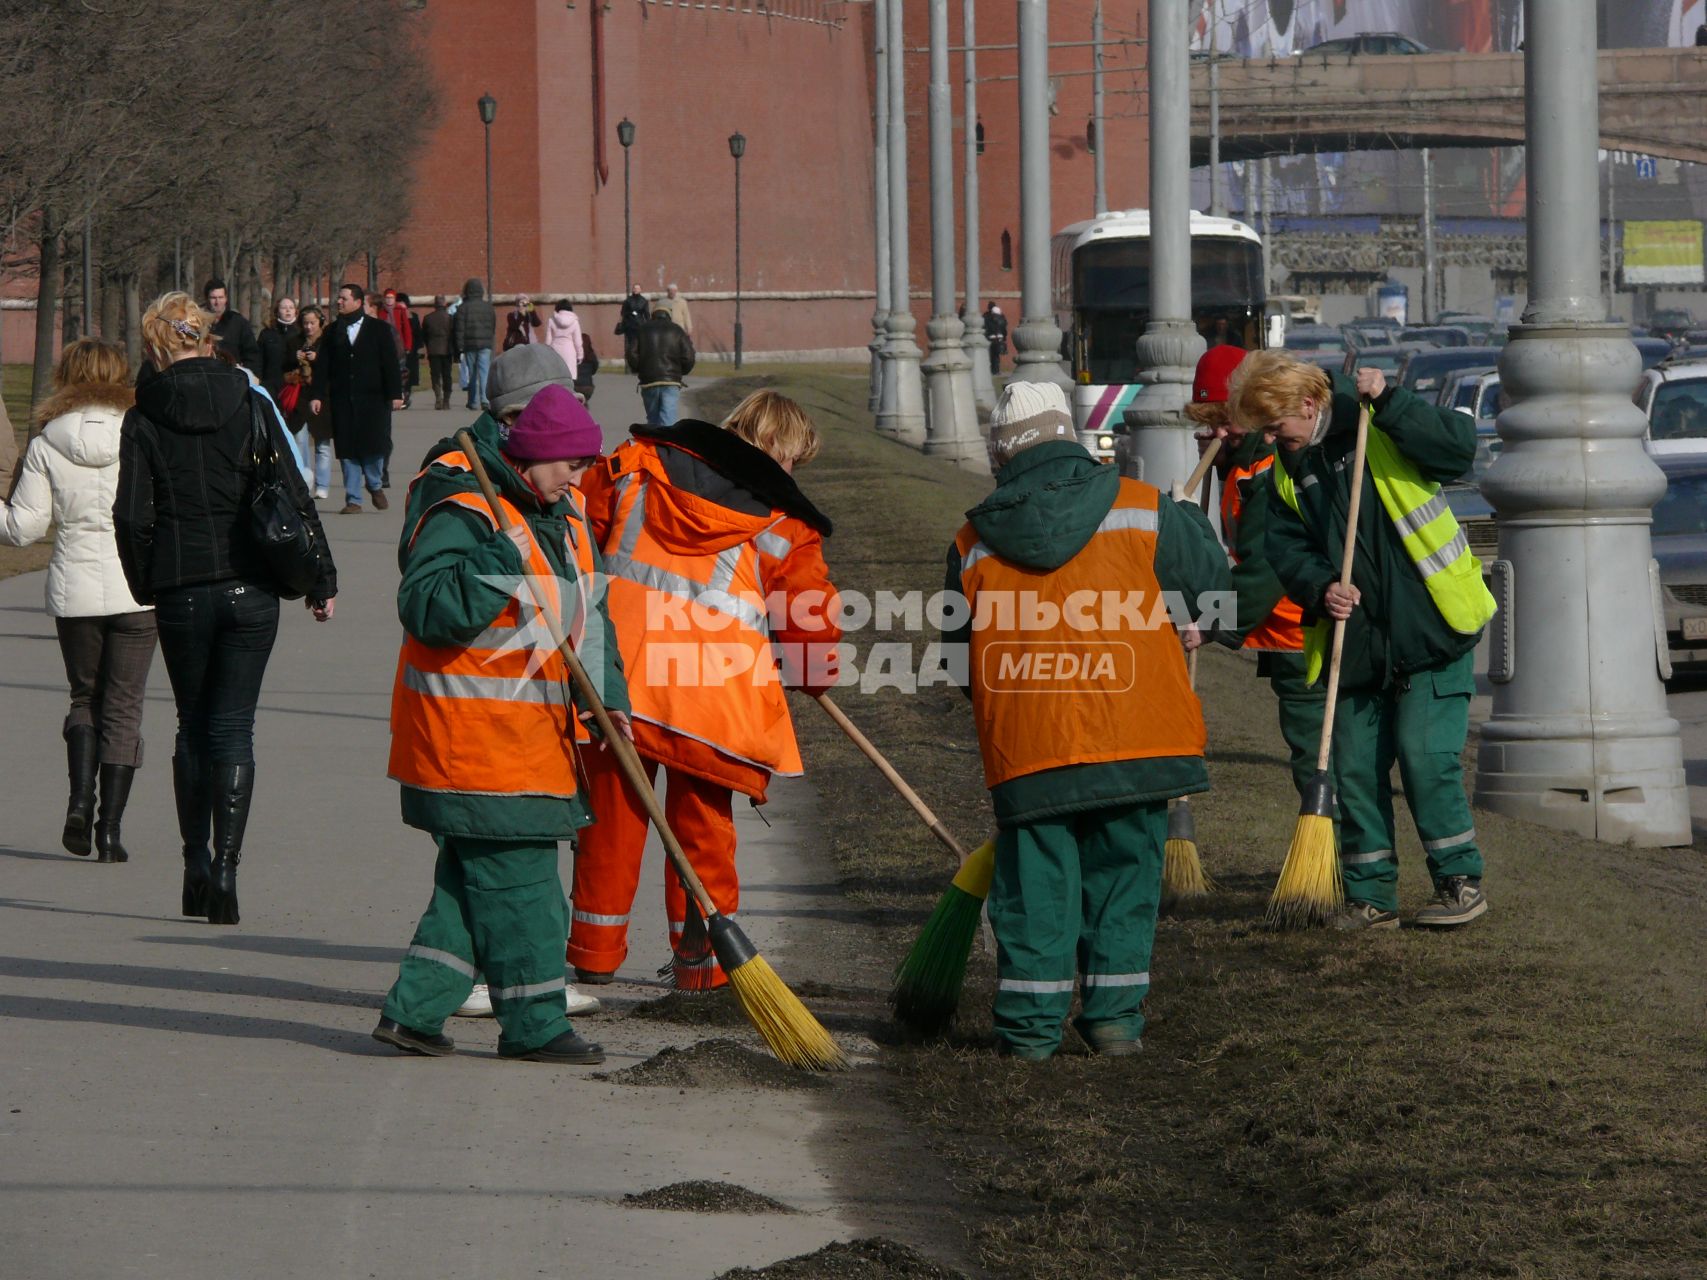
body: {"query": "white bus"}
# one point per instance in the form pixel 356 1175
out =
pixel 1102 303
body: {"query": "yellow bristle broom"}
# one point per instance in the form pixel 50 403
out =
pixel 928 981
pixel 787 1026
pixel 1183 875
pixel 1310 888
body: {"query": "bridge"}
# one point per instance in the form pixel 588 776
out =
pixel 1652 101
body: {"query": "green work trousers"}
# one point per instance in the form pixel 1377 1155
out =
pixel 1301 708
pixel 1075 894
pixel 1422 723
pixel 497 910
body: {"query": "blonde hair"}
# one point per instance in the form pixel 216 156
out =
pixel 88 371
pixel 772 422
pixel 1209 413
pixel 1270 385
pixel 175 322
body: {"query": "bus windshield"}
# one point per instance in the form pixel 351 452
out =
pixel 1111 301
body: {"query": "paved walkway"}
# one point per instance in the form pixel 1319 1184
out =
pixel 183 1101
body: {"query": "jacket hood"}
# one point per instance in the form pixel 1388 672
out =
pixel 558 323
pixel 473 289
pixel 741 466
pixel 1048 502
pixel 194 396
pixel 88 436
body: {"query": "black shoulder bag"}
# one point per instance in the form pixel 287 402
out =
pixel 277 526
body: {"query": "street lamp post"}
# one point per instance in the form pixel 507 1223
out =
pixel 901 416
pixel 488 113
pixel 737 148
pixel 625 135
pixel 977 346
pixel 880 191
pixel 1580 736
pixel 1037 341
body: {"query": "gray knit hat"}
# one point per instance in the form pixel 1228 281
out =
pixel 1027 414
pixel 521 371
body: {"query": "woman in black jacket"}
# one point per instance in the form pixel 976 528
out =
pixel 279 343
pixel 181 517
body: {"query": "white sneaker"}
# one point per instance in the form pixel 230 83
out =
pixel 478 1004
pixel 579 1003
pixel 320 493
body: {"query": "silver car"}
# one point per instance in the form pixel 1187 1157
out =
pixel 1680 547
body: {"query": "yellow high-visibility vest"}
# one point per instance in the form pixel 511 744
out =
pixel 1431 537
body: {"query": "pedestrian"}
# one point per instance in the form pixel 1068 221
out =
pixel 996 335
pixel 635 309
pixel 106 637
pixel 563 333
pixel 1084 745
pixel 182 522
pixel 475 327
pixel 586 370
pixel 358 379
pixel 711 518
pixel 661 356
pixel 521 322
pixel 278 345
pixel 495 781
pixel 1701 35
pixel 680 312
pixel 1268 621
pixel 394 310
pixel 313 416
pixel 231 328
pixel 1413 614
pixel 439 338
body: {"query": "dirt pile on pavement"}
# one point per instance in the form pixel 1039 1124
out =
pixel 873 1258
pixel 703 1196
pixel 694 1009
pixel 714 1064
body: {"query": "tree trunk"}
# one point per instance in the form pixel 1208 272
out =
pixel 70 303
pixel 111 302
pixel 47 301
pixel 133 318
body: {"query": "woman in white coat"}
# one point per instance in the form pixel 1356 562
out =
pixel 68 478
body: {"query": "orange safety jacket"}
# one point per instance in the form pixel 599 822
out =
pixel 493 717
pixel 687 596
pixel 1079 664
pixel 1283 630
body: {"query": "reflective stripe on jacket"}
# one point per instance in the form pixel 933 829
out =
pixel 1103 680
pixel 493 717
pixel 1429 532
pixel 1283 630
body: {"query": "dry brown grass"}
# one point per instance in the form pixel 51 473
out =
pixel 1522 1099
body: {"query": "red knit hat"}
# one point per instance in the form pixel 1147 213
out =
pixel 1213 372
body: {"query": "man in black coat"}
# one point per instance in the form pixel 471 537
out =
pixel 635 309
pixel 660 355
pixel 357 374
pixel 996 334
pixel 232 328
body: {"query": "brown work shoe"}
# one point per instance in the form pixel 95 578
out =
pixel 380 501
pixel 351 509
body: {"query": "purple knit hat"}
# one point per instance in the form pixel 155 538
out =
pixel 554 427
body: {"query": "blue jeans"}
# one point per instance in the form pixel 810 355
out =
pixel 358 470
pixel 661 404
pixel 216 639
pixel 323 465
pixel 479 363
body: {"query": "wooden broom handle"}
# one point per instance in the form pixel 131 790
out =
pixel 888 771
pixel 626 756
pixel 1201 469
pixel 1364 414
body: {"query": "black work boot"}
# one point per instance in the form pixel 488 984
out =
pixel 115 794
pixel 82 751
pixel 195 821
pixel 232 786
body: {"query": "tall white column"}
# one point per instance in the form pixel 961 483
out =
pixel 977 347
pixel 1037 341
pixel 880 199
pixel 903 415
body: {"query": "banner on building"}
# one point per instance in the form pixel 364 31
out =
pixel 1663 253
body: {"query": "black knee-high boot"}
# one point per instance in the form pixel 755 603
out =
pixel 82 754
pixel 115 794
pixel 195 823
pixel 233 785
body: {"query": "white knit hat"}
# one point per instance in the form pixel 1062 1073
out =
pixel 1027 414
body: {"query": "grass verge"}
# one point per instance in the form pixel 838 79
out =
pixel 15 388
pixel 1525 1098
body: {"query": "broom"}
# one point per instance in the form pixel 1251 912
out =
pixel 1310 888
pixel 1183 875
pixel 928 981
pixel 787 1026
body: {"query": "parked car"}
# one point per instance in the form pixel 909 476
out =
pixel 1656 349
pixel 1680 546
pixel 1461 388
pixel 1370 333
pixel 1423 371
pixel 1370 42
pixel 1386 358
pixel 1314 337
pixel 1438 335
pixel 1673 395
pixel 1670 322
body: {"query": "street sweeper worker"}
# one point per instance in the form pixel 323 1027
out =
pixel 1267 622
pixel 720 596
pixel 484 733
pixel 1085 717
pixel 1413 614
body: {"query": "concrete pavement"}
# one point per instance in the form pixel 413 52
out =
pixel 181 1100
